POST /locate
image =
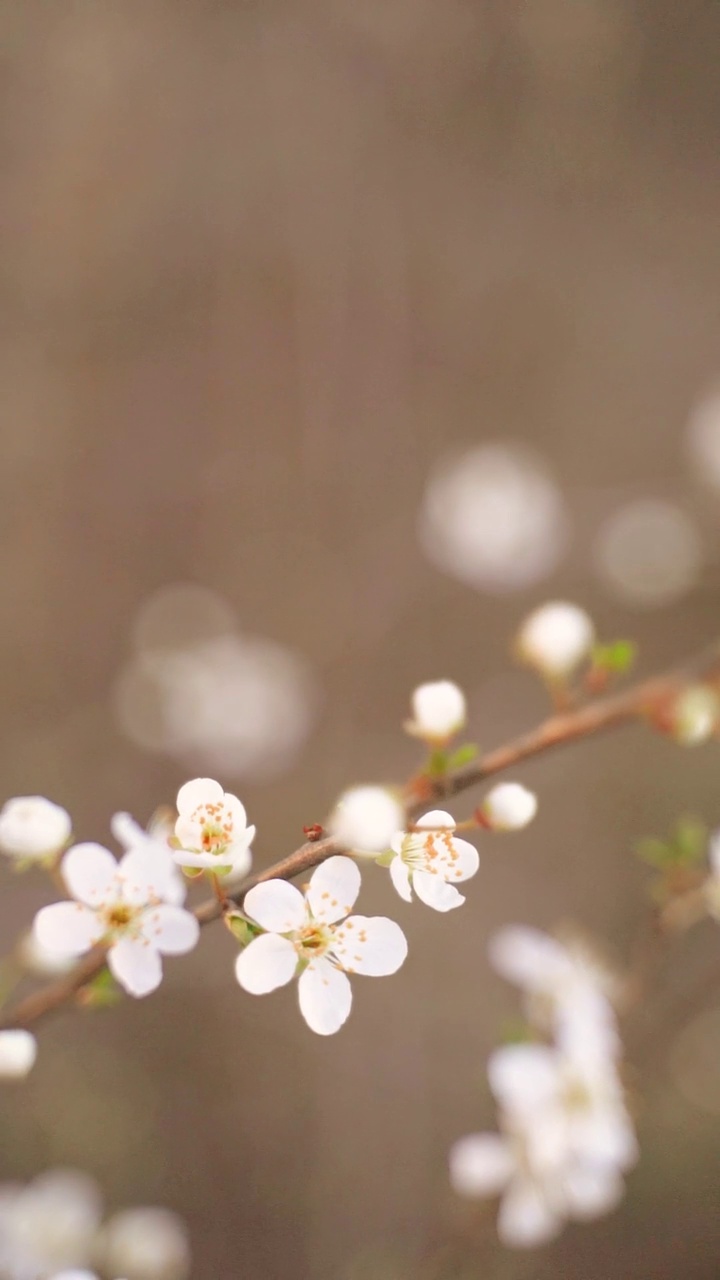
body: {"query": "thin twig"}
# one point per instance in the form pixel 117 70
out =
pixel 645 700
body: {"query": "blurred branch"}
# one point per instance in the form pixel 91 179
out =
pixel 648 700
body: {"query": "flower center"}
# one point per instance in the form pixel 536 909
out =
pixel 420 849
pixel 118 918
pixel 312 940
pixel 216 828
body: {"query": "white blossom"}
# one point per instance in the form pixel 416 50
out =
pixel 431 861
pixel 133 907
pixel 556 638
pixel 695 715
pixel 509 806
pixel 48 1225
pixel 33 828
pixel 439 711
pixel 315 935
pixel 18 1051
pixel 146 1244
pixel 74 1274
pixel 366 819
pixel 212 829
pixel 38 960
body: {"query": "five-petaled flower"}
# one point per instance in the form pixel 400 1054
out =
pixel 134 907
pixel 211 830
pixel 430 859
pixel 315 936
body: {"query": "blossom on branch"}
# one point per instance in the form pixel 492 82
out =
pixel 18 1051
pixel 133 907
pixel 508 807
pixel 439 712
pixel 211 830
pixel 314 936
pixel 556 639
pixel 33 828
pixel 366 819
pixel 430 859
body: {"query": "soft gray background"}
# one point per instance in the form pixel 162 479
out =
pixel 263 264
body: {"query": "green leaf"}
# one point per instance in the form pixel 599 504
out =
pixel 617 657
pixel 386 858
pixel 517 1031
pixel 655 852
pixel 102 992
pixel 686 845
pixel 242 929
pixel 437 765
pixel 463 755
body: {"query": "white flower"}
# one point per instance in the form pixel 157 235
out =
pixel 556 638
pixel 48 1225
pixel 366 819
pixel 431 860
pixel 33 827
pixel 311 933
pixel 74 1275
pixel 18 1051
pixel 133 907
pixel 439 711
pixel 695 715
pixel 212 829
pixel 146 1244
pixel 565 1143
pixel 38 960
pixel 509 807
pixel 568 990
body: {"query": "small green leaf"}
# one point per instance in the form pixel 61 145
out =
pixel 463 755
pixel 242 929
pixel 616 657
pixel 102 992
pixel 437 764
pixel 386 858
pixel 517 1031
pixel 690 841
pixel 655 852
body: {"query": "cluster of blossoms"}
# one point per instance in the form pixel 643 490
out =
pixel 134 907
pixel 566 1138
pixel 53 1229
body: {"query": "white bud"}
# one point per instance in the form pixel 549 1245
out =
pixel 33 827
pixel 556 638
pixel 367 818
pixel 509 806
pixel 696 715
pixel 439 711
pixel 18 1051
pixel 40 960
pixel 146 1244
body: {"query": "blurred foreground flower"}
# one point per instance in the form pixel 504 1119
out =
pixel 494 518
pixel 18 1051
pixel 310 935
pixel 431 860
pixel 555 639
pixel 649 552
pixel 439 711
pixel 508 807
pixel 132 906
pixel 145 1244
pixel 365 819
pixel 33 828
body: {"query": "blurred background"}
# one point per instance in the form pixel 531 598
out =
pixel 336 336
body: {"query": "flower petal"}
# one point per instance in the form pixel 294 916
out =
pixel 466 860
pixel 235 809
pixel 525 1218
pixel 372 945
pixel 481 1164
pixel 333 889
pixel 524 1076
pixel 400 876
pixel 267 963
pixel 89 871
pixel 592 1191
pixel 435 892
pixel 183 858
pixel 171 930
pixel 199 791
pixel 148 874
pixel 136 966
pixel 529 958
pixel 67 927
pixel 276 906
pixel 438 819
pixel 325 997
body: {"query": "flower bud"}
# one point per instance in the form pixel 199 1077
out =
pixel 439 711
pixel 367 818
pixel 509 807
pixel 18 1051
pixel 33 827
pixel 555 639
pixel 146 1244
pixel 695 715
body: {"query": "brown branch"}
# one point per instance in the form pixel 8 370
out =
pixel 646 700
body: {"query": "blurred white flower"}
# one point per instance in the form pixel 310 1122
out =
pixel 309 933
pixel 649 552
pixel 39 960
pixel 212 829
pixel 49 1224
pixel 18 1051
pixel 365 819
pixel 146 1244
pixel 703 439
pixel 33 827
pixel 74 1275
pixel 695 715
pixel 133 906
pixel 439 711
pixel 555 639
pixel 509 807
pixel 494 517
pixel 431 860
